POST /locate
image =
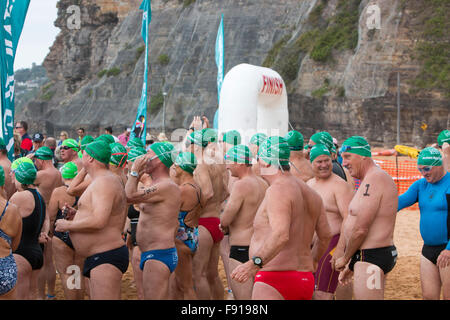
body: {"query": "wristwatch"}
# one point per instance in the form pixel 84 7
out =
pixel 134 174
pixel 257 261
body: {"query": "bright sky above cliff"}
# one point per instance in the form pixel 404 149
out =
pixel 38 33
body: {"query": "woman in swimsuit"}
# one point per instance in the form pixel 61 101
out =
pixel 64 253
pixel 10 233
pixel 186 240
pixel 29 255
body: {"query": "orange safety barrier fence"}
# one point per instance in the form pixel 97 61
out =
pixel 404 173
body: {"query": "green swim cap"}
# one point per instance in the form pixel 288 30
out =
pixel 275 151
pixel 318 150
pixel 2 144
pixel 294 140
pixel 164 152
pixel 15 164
pixel 44 153
pixel 135 142
pixel 324 138
pixel 186 161
pixel 232 137
pixel 443 137
pixel 106 137
pixel 26 173
pixel 258 138
pixel 430 157
pixel 239 154
pixel 135 152
pixel 99 150
pixel 2 177
pixel 357 145
pixel 71 143
pixel 119 155
pixel 203 137
pixel 86 140
pixel 69 170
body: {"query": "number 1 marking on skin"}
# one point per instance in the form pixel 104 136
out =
pixel 366 194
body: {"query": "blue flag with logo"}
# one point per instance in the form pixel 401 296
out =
pixel 220 62
pixel 139 128
pixel 12 18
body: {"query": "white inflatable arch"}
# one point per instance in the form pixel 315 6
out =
pixel 253 99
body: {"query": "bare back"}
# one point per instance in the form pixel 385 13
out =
pixel 47 180
pixel 291 204
pixel 252 189
pixel 105 200
pixel 218 177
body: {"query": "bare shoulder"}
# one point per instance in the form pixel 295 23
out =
pixel 311 182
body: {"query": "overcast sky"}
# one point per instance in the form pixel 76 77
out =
pixel 38 33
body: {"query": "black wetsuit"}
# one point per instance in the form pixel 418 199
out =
pixel 29 247
pixel 339 170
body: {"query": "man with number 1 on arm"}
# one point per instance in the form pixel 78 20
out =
pixel 369 226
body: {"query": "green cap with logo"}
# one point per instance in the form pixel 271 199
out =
pixel 430 157
pixel 275 151
pixel 44 153
pixel 443 137
pixel 357 145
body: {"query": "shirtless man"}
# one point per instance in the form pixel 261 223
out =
pixel 336 195
pixel 159 206
pixel 97 225
pixel 369 227
pixel 6 164
pixel 283 230
pixel 246 196
pixel 302 167
pixel 212 177
pixel 47 179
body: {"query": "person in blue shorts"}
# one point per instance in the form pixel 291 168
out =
pixel 432 192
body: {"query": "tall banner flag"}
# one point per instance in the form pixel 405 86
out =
pixel 220 62
pixel 139 128
pixel 12 18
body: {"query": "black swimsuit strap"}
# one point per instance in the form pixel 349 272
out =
pixel 197 190
pixel 4 210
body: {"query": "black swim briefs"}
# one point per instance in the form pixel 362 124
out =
pixel 117 257
pixel 385 258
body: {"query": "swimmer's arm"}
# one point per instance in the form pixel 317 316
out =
pixel 147 194
pixel 17 237
pixel 79 184
pixel 233 205
pixel 201 176
pixel 343 198
pixel 279 215
pixel 410 197
pixel 365 216
pixel 52 209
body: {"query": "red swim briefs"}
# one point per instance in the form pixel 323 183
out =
pixel 292 285
pixel 212 225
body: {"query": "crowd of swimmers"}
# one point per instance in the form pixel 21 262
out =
pixel 287 220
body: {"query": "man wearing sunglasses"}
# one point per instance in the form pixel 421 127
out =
pixel 69 152
pixel 27 144
pixel 433 195
pixel 368 229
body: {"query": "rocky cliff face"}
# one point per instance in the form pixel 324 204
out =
pixel 344 82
